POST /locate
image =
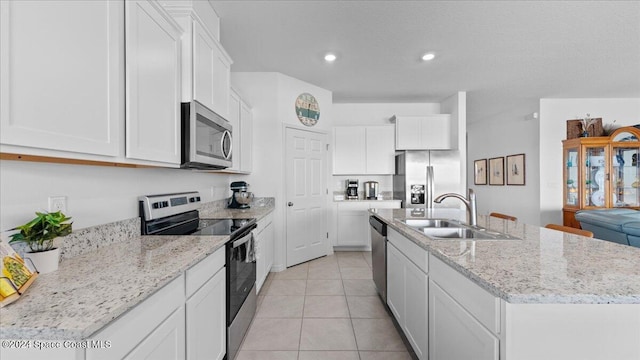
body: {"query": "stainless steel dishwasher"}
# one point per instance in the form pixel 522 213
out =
pixel 379 255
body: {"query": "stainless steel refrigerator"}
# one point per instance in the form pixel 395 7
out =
pixel 423 175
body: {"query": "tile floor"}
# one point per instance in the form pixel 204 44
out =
pixel 325 309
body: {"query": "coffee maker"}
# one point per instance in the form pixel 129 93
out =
pixel 352 189
pixel 371 190
pixel 240 198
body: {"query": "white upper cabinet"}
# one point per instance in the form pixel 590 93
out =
pixel 241 120
pixel 363 150
pixel 380 149
pixel 429 132
pixel 246 137
pixel 153 83
pixel 206 66
pixel 349 152
pixel 234 120
pixel 62 75
pixel 211 71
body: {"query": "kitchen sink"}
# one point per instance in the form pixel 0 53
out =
pixel 443 229
pixel 455 233
pixel 431 223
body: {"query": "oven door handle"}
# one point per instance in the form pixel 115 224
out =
pixel 242 240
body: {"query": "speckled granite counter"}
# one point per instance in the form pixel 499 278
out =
pixel 94 287
pixel 546 266
pixel 258 210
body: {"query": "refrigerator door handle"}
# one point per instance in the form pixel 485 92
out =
pixel 430 187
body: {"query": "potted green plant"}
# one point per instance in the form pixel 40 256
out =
pixel 39 234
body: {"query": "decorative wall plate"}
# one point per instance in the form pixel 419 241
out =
pixel 307 109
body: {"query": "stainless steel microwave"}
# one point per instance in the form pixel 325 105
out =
pixel 206 138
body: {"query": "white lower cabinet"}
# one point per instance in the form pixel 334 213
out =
pixel 206 320
pixel 417 310
pixel 171 324
pixel 165 342
pixel 454 333
pixel 150 320
pixel 353 224
pixel 264 250
pixel 464 319
pixel 407 294
pixel 395 283
pixel 353 221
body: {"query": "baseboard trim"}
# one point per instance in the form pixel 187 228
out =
pixel 351 248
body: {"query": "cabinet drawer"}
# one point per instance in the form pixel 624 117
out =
pixel 477 301
pixel 408 248
pixel 199 273
pixel 130 329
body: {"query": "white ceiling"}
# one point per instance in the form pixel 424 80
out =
pixel 505 54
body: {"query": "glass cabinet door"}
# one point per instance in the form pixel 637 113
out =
pixel 625 180
pixel 595 177
pixel 571 174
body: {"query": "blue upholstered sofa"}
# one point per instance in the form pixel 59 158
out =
pixel 618 225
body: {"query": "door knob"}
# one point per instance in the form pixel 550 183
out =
pixel 289 203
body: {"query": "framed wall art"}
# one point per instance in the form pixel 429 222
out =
pixel 480 172
pixel 515 169
pixel 496 171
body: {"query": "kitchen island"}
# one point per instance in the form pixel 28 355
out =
pixel 95 287
pixel 547 294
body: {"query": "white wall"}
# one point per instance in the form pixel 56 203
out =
pixel 272 97
pixel 456 105
pixel 539 202
pixel 501 137
pixel 553 116
pixel 379 113
pixel 95 194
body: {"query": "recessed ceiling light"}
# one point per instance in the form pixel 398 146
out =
pixel 428 56
pixel 330 57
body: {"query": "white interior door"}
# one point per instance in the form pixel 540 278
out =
pixel 305 196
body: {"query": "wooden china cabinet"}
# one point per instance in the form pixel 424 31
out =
pixel 601 172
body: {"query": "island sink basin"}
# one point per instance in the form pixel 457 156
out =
pixel 455 233
pixel 442 229
pixel 431 223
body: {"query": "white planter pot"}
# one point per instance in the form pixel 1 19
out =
pixel 45 261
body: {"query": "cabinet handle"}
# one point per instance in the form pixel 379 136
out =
pixel 607 176
pixel 289 203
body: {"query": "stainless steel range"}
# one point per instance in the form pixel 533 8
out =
pixel 177 214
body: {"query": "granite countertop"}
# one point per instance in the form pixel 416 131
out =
pixel 546 266
pixel 91 289
pixel 364 200
pixel 256 211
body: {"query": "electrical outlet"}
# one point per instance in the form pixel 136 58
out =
pixel 58 203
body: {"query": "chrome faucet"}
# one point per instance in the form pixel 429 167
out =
pixel 470 203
